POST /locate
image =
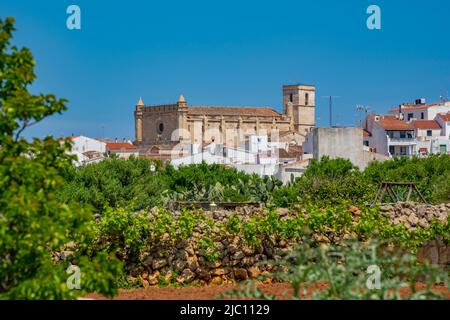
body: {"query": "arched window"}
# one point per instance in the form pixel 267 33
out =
pixel 306 98
pixel 161 128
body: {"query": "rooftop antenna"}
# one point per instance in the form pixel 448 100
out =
pixel 360 108
pixel 330 107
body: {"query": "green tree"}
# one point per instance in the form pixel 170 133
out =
pixel 331 181
pixel 33 222
pixel 115 182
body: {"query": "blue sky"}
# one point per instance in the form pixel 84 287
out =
pixel 229 53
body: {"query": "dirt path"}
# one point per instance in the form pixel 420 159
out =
pixel 280 290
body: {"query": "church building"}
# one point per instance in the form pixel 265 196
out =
pixel 231 126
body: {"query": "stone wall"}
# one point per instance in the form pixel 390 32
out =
pixel 185 261
pixel 421 215
pixel 414 215
pixel 435 252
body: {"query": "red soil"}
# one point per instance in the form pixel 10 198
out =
pixel 280 290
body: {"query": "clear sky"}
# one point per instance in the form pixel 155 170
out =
pixel 232 52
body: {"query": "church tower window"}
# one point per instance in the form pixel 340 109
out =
pixel 161 127
pixel 306 98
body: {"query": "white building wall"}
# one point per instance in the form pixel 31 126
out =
pixel 445 127
pixel 239 156
pixel 125 154
pixel 429 112
pixel 379 140
pixel 83 144
pixel 422 133
pixel 437 142
pixel 211 155
pixel 258 143
pixel 259 169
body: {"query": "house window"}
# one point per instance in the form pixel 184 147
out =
pixel 306 98
pixel 410 116
pixel 403 151
pixel 422 116
pixel 402 134
pixel 429 133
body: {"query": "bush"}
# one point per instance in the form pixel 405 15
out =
pixel 431 175
pixel 116 182
pixel 345 272
pixel 130 183
pixel 328 182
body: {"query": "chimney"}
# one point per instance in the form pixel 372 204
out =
pixel 420 101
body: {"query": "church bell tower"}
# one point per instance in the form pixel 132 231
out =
pixel 299 104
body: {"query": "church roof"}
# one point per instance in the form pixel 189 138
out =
pixel 233 111
pixel 118 146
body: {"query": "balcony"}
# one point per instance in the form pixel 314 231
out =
pixel 401 141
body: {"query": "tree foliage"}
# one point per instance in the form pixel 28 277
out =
pixel 331 181
pixel 33 221
pixel 131 183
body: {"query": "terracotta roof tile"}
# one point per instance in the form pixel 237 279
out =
pixel 233 111
pixel 117 146
pixel 390 123
pixel 284 154
pixel 419 106
pixel 426 124
pixel 444 116
pixel 296 149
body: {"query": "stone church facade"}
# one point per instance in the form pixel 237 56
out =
pixel 181 123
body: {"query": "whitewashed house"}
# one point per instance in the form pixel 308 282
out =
pixel 426 133
pixel 420 110
pixel 390 135
pixel 87 150
pixel 217 153
pixel 82 144
pixel 122 150
pixel 444 121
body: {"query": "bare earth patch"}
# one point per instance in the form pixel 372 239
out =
pixel 280 290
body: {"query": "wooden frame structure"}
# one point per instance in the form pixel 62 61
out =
pixel 387 188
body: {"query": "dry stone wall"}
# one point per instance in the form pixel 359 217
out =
pixel 421 215
pixel 185 261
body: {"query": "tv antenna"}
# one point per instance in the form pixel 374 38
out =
pixel 443 98
pixel 330 107
pixel 359 108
